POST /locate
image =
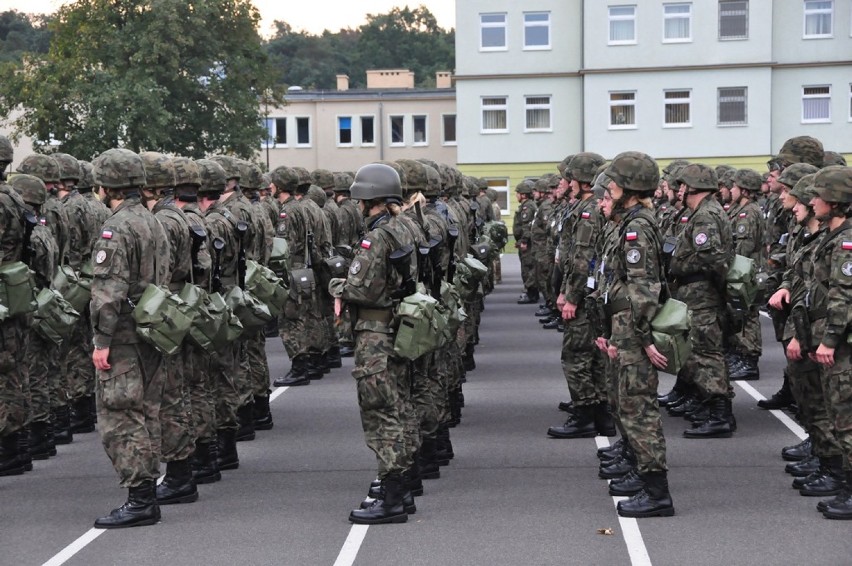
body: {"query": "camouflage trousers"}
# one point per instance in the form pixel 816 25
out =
pixel 408 412
pixel 750 340
pixel 177 440
pixel 706 366
pixel 837 387
pixel 427 391
pixel 302 328
pixel 226 370
pixel 441 370
pixel 544 276
pixel 639 414
pixel 806 387
pixel 77 363
pixel 13 377
pixel 582 362
pixel 528 269
pixel 498 270
pixel 128 400
pixel 258 364
pixel 379 379
pixel 202 394
pixel 40 359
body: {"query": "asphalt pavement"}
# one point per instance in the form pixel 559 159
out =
pixel 511 496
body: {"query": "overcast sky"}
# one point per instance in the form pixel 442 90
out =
pixel 313 16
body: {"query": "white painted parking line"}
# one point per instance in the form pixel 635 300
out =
pixel 351 545
pixel 629 527
pixel 780 415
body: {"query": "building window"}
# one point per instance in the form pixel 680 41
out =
pixel 677 110
pixel 502 187
pixel 448 129
pixel 344 130
pixel 677 23
pixel 397 130
pixel 537 114
pixel 733 19
pixel 303 131
pixel 622 110
pixel 492 32
pixel 421 135
pixel 622 25
pixel 536 30
pixel 732 106
pixel 276 132
pixel 816 104
pixel 850 102
pixel 818 18
pixel 494 115
pixel 368 130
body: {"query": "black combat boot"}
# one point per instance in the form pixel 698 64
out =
pixel 445 445
pixel 178 486
pixel 10 464
pixel 604 423
pixel 688 403
pixel 205 467
pixel 567 406
pixel 347 351
pixel 798 452
pixel 334 358
pixel 580 424
pixel 718 425
pixel 653 501
pixel 245 416
pixel 411 476
pixel 529 298
pixel 298 374
pixel 24 454
pixel 62 425
pixel 747 370
pixel 262 415
pixel 82 417
pixel 377 492
pixel 619 467
pixel 782 399
pixel 802 468
pixel 610 452
pixel 140 509
pixel 41 447
pixel 469 361
pixel 631 484
pixel 315 366
pixel 544 311
pixel 681 388
pixel 840 507
pixel 227 459
pixel 827 481
pixel 429 467
pixel 552 324
pixel 389 509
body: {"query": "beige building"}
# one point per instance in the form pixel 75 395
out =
pixel 343 129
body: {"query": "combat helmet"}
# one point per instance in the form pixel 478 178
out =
pixel 804 189
pixel 634 171
pixel 674 165
pixel 377 181
pixel 213 176
pixel 342 181
pixel 69 167
pixel 7 152
pixel 801 149
pixel 229 164
pixel 42 166
pixel 525 187
pixel 187 171
pixel 403 181
pixel 323 178
pixel 748 180
pixel 829 158
pixel 285 179
pixel 119 169
pixel 791 175
pixel 86 182
pixel 562 167
pixel 834 184
pixel 250 175
pixel 583 166
pixel 159 170
pixel 699 177
pixel 317 195
pixel 31 189
pixel 416 178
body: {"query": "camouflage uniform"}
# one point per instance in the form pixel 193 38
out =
pixel 538 235
pixel 521 230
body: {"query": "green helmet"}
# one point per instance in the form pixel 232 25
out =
pixel 833 158
pixel 250 175
pixel 265 180
pixel 403 182
pixel 342 181
pixel 86 181
pixel 187 171
pixel 791 175
pixel 481 184
pixel 7 153
pixel 323 178
pixel 304 179
pixel 634 171
pixel 229 164
pixel 42 166
pixel 213 176
pixel 69 167
pixel 675 164
pixel 491 193
pixel 285 179
pixel 525 187
pixel 317 195
pixel 801 149
pixel 159 170
pixel 31 188
pixel 542 184
pixel 804 189
pixel 415 175
pixel 468 186
pixel 119 169
pixel 584 166
pixel 834 184
pixel 748 180
pixel 725 175
pixel 601 185
pixel 377 181
pixel 562 167
pixel 699 177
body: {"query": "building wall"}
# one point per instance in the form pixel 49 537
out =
pixel 789 45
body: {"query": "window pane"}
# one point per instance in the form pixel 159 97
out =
pixel 493 37
pixel 622 115
pixel 732 106
pixel 269 124
pixel 397 134
pixel 344 130
pixel 493 101
pixel 538 119
pixel 281 131
pixel 622 96
pixel 493 18
pixel 303 131
pixel 368 131
pixel 449 128
pixel 419 129
pixel 816 109
pixel 677 21
pixel 733 19
pixel 536 36
pixel 537 17
pixel 621 30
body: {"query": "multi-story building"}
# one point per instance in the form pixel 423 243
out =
pixel 710 80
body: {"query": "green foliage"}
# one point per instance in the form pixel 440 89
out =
pixel 402 38
pixel 175 76
pixel 20 34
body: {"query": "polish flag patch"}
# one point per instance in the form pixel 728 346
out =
pixel 630 236
pixel 366 244
pixel 42 221
pixel 282 215
pixel 684 219
pixel 106 234
pixel 847 245
pixel 586 215
pixel 743 215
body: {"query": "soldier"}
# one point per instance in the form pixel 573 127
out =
pixel 98 211
pixel 378 371
pixel 521 230
pixel 130 254
pixel 630 283
pixel 351 226
pixel 497 214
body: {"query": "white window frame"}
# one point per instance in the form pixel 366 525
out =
pixel 817 12
pixel 826 120
pixel 492 25
pixel 501 185
pixel 849 106
pixel 667 101
pixel 392 143
pixel 613 103
pixel 611 18
pixel 538 106
pixel 537 24
pixel 296 128
pixel 444 140
pixel 362 130
pixel 719 122
pixel 351 130
pixel 493 108
pixel 270 142
pixel 734 38
pixel 425 141
pixel 687 17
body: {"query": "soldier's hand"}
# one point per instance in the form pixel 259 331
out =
pixel 612 352
pixel 560 301
pixel 338 306
pixel 794 350
pixel 779 299
pixel 824 355
pixel 100 357
pixel 601 343
pixel 569 311
pixel 656 357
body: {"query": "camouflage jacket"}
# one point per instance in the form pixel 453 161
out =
pixel 437 226
pixel 350 223
pixel 58 222
pixel 541 227
pixel 44 257
pixel 242 209
pixel 777 224
pixel 554 228
pixel 578 257
pixel 485 212
pixel 11 224
pixel 522 227
pixel 131 253
pixel 798 270
pixel 272 208
pixel 82 231
pixel 459 219
pixel 203 266
pixel 222 224
pixel 748 232
pixel 176 225
pixel 265 231
pixel 99 212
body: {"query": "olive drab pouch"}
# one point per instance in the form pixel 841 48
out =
pixel 279 259
pixel 303 284
pixel 451 299
pixel 252 313
pixel 497 232
pixel 17 288
pixel 670 331
pixel 266 286
pixel 481 251
pixel 741 283
pixel 54 318
pixel 469 272
pixel 230 327
pixel 205 325
pixel 75 288
pixel 161 319
pixel 418 331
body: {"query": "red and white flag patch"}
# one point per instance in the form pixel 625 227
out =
pixel 847 245
pixel 586 215
pixel 366 244
pixel 630 236
pixel 282 215
pixel 684 219
pixel 743 214
pixel 106 234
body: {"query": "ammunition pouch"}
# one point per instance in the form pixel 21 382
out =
pixel 670 332
pixel 741 283
pixel 17 288
pixel 75 288
pixel 469 272
pixel 303 284
pixel 204 324
pixel 162 319
pixel 54 318
pixel 420 328
pixel 279 258
pixel 336 266
pixel 230 327
pixel 481 251
pixel 270 289
pixel 251 312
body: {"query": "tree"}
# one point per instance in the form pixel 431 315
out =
pixel 22 33
pixel 178 76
